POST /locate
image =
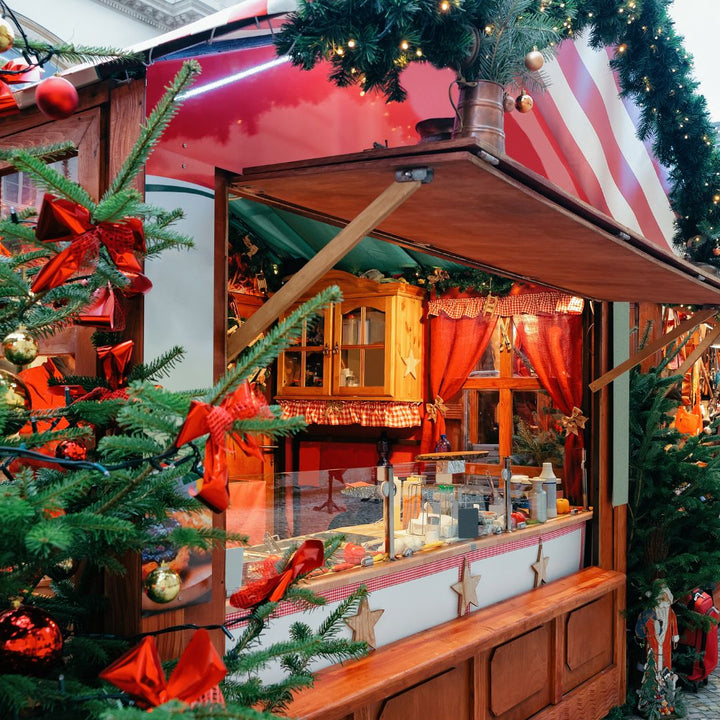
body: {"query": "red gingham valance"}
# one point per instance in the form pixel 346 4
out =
pixel 543 303
pixel 348 412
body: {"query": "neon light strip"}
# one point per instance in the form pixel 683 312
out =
pixel 233 78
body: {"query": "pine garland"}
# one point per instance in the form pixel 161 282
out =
pixel 364 44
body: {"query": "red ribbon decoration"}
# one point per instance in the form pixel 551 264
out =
pixel 216 420
pixel 309 556
pixel 104 311
pixel 62 220
pixel 9 75
pixel 114 360
pixel 139 672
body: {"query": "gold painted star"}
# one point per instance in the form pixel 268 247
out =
pixel 467 589
pixel 363 623
pixel 540 567
pixel 411 363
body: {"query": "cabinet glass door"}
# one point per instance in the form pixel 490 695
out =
pixel 304 366
pixel 362 349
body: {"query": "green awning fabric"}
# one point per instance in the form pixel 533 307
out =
pixel 287 236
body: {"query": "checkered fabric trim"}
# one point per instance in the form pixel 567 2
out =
pixel 349 412
pixel 546 303
pixel 415 573
pixel 213 696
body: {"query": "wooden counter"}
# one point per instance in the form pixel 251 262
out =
pixel 554 652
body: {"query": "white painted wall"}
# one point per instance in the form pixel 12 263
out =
pixel 179 308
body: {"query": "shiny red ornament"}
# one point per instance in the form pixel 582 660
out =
pixel 30 641
pixel 71 450
pixel 56 97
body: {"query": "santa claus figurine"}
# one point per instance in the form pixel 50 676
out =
pixel 657 629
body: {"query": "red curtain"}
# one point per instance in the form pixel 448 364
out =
pixel 553 345
pixel 455 348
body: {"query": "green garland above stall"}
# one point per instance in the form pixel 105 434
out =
pixel 369 43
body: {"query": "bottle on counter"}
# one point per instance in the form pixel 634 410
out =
pixel 550 487
pixel 538 501
pixel 443 444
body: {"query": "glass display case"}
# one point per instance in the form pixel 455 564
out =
pixel 435 504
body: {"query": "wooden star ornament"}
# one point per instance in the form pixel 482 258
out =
pixel 540 567
pixel 467 589
pixel 363 623
pixel 411 363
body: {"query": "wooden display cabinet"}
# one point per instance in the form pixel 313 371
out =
pixel 368 346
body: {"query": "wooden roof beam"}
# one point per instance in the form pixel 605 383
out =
pixel 366 221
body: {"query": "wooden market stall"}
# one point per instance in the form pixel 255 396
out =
pixel 567 638
pixel 551 596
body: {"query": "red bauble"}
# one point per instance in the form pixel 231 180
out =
pixel 30 641
pixel 56 97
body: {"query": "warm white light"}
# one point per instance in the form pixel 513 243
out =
pixel 234 78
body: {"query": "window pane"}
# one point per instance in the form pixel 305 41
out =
pixel 537 437
pixel 375 327
pixel 482 430
pixel 489 363
pixel 17 191
pixel 375 367
pixel 315 330
pixel 350 367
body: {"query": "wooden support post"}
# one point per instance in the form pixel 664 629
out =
pixel 649 349
pixel 390 199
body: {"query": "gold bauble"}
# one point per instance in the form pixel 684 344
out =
pixel 534 60
pixel 20 347
pixel 524 103
pixel 508 103
pixel 7 35
pixel 15 395
pixel 162 585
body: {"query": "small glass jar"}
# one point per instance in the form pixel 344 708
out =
pixel 538 501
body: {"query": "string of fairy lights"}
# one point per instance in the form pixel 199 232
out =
pixel 652 65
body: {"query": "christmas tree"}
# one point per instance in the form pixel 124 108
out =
pixel 89 481
pixel 673 519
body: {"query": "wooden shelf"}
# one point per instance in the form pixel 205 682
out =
pixel 452 455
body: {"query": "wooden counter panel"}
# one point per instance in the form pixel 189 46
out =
pixel 588 652
pixel 520 682
pixel 447 695
pixel 343 689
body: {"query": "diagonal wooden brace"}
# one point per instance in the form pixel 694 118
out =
pixel 383 205
pixel 653 347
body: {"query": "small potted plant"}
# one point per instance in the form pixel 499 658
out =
pixel 490 44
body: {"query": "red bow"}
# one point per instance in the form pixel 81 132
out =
pixel 9 75
pixel 139 672
pixel 115 359
pixel 62 220
pixel 217 420
pixel 310 555
pixel 104 311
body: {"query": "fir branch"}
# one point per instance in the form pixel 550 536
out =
pixel 158 368
pixel 153 128
pixel 46 153
pixel 74 53
pixel 265 350
pixel 49 179
pixel 121 204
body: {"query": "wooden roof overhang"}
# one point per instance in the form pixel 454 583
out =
pixel 486 211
